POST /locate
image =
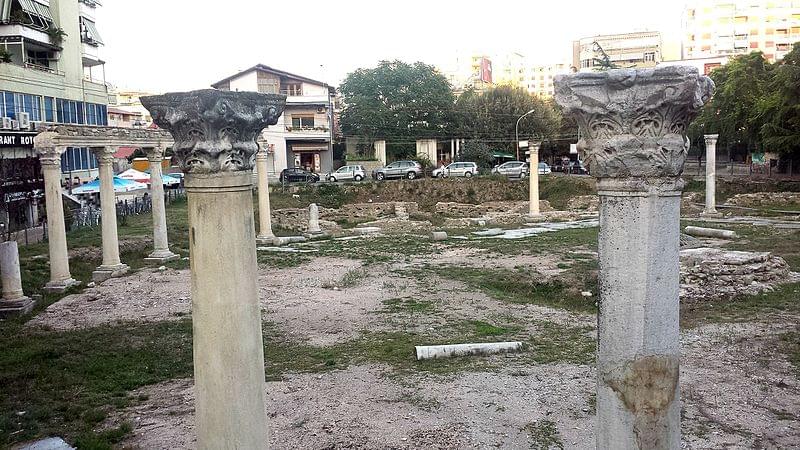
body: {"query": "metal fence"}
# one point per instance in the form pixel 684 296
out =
pixel 88 215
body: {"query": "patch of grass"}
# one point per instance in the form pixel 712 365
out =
pixel 543 435
pixel 783 299
pixel 103 440
pixel 407 305
pixel 550 242
pixel 351 278
pixel 558 190
pixel 377 249
pixel 790 345
pixel 63 383
pixel 482 329
pixel 282 260
pixel 553 343
pixel 520 287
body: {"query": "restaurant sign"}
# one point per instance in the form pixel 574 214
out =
pixel 16 139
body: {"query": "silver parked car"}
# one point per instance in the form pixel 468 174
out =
pixel 512 169
pixel 544 168
pixel 399 169
pixel 347 173
pixel 456 169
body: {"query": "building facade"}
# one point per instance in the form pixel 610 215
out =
pixel 720 28
pixel 640 49
pixel 50 72
pixel 539 80
pixel 126 100
pixel 303 136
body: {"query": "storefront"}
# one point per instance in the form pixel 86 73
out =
pixel 312 156
pixel 21 183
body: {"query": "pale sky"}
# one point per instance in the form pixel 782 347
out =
pixel 178 45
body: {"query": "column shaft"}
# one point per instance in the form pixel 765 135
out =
pixel 60 278
pixel 13 300
pixel 533 168
pixel 161 252
pixel 711 175
pixel 638 334
pixel 226 317
pixel 265 235
pixel 111 266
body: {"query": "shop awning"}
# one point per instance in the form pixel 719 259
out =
pixel 37 9
pixel 89 31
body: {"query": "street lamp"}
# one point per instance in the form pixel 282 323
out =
pixel 516 129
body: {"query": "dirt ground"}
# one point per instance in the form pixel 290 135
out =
pixel 738 390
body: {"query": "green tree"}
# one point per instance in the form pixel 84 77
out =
pixel 734 111
pixel 492 115
pixel 780 108
pixel 477 152
pixel 397 101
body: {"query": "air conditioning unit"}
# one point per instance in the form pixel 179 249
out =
pixel 24 120
pixel 6 125
pixel 14 124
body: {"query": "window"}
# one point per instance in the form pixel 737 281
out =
pixel 77 158
pixel 754 45
pixel 302 121
pixel 37 58
pixel 650 56
pixel 49 109
pixel 293 89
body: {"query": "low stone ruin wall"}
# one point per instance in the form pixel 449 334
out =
pixel 296 219
pixel 765 199
pixel 454 209
pixel 709 273
pixel 586 203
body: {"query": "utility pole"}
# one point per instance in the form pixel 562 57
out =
pixel 516 129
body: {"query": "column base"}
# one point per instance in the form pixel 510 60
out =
pixel 161 256
pixel 103 273
pixel 59 287
pixel 268 239
pixel 315 234
pixel 16 307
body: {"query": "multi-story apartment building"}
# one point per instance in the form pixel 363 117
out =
pixel 638 49
pixel 49 58
pixel 126 100
pixel 719 28
pixel 303 136
pixel 539 79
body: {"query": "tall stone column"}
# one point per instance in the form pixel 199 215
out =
pixel 711 175
pixel 380 151
pixel 161 252
pixel 214 134
pixel 112 266
pixel 634 141
pixel 50 159
pixel 13 301
pixel 533 168
pixel 265 234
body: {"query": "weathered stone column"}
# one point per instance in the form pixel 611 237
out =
pixel 161 252
pixel 380 151
pixel 711 175
pixel 215 135
pixel 50 159
pixel 533 168
pixel 112 266
pixel 634 124
pixel 265 234
pixel 313 219
pixel 13 301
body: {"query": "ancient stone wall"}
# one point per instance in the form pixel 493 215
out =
pixel 765 199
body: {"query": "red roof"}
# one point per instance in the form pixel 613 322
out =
pixel 124 152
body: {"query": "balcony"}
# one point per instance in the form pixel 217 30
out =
pixel 307 132
pixel 295 96
pixel 15 32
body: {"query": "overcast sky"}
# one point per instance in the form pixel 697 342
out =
pixel 169 45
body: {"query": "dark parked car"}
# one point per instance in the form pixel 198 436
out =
pixel 295 174
pixel 577 167
pixel 399 169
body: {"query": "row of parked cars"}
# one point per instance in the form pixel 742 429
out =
pixel 413 169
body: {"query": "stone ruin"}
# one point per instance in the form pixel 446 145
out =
pixel 713 273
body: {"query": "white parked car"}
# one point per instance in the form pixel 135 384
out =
pixel 544 168
pixel 456 169
pixel 347 173
pixel 512 169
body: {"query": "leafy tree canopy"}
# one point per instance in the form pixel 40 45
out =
pixel 780 107
pixel 492 116
pixel 397 101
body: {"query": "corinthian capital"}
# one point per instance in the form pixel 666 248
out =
pixel 634 121
pixel 214 131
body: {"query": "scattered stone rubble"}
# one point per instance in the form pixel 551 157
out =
pixel 765 199
pixel 709 273
pixel 586 203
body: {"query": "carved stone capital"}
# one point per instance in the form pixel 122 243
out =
pixel 711 139
pixel 634 121
pixel 215 131
pixel 154 154
pixel 51 155
pixel 104 155
pixel 262 154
